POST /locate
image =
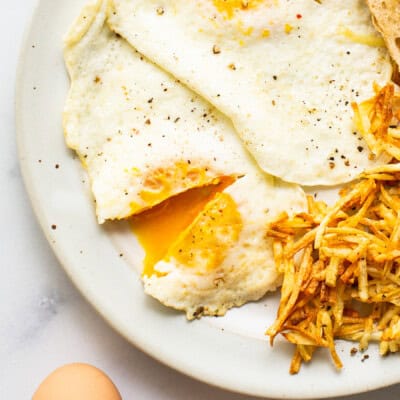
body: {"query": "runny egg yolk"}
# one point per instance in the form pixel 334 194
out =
pixel 228 7
pixel 159 227
pixel 205 244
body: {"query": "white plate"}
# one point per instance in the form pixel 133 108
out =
pixel 229 352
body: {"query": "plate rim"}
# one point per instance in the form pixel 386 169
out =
pixel 40 215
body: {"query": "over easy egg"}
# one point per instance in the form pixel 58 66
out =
pixel 284 71
pixel 155 150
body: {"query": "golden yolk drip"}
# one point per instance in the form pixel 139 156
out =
pixel 159 227
pixel 204 245
pixel 228 7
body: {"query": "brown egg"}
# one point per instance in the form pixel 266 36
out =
pixel 77 382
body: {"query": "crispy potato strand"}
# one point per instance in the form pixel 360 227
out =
pixel 341 279
pixel 341 264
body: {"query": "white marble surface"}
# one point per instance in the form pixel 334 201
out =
pixel 44 321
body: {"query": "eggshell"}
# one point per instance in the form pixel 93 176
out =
pixel 77 382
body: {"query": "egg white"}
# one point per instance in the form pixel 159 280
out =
pixel 285 72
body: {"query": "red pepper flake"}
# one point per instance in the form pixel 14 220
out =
pixel 299 16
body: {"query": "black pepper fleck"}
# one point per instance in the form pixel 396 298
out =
pixel 365 357
pixel 216 49
pixel 353 351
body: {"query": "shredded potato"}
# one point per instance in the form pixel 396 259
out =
pixel 376 119
pixel 341 264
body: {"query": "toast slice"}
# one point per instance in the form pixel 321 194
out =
pixel 386 18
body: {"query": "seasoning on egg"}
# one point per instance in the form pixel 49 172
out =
pixel 216 49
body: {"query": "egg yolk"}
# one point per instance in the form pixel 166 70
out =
pixel 228 7
pixel 205 243
pixel 159 185
pixel 159 227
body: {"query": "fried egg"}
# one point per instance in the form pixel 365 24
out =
pixel 141 135
pixel 200 204
pixel 285 72
pixel 223 258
